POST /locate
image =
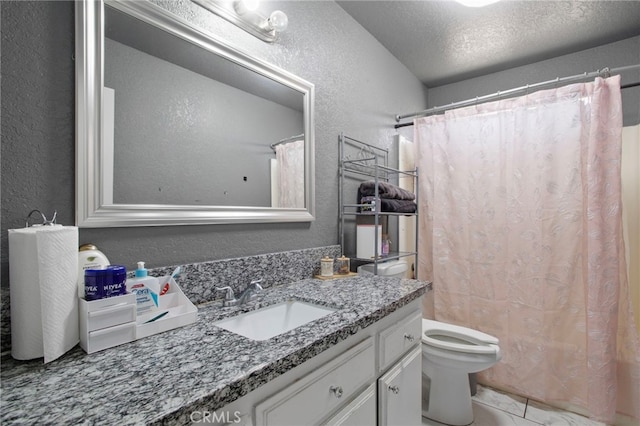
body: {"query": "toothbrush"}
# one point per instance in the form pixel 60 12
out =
pixel 174 274
pixel 157 317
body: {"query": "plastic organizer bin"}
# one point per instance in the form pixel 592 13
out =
pixel 179 312
pixel 113 321
pixel 109 322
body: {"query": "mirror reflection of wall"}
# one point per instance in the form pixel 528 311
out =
pixel 200 140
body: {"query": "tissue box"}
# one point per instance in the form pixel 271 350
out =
pixel 174 310
pixel 109 322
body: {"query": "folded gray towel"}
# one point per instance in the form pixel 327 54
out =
pixel 385 190
pixel 398 206
pixel 389 205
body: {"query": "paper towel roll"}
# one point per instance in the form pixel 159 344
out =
pixel 43 269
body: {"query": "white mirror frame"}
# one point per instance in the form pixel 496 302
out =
pixel 91 209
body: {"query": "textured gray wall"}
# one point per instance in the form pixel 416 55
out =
pixel 619 54
pixel 360 86
pixel 37 113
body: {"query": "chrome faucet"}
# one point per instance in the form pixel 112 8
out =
pixel 247 295
pixel 251 292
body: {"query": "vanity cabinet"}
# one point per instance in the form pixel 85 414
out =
pixel 373 377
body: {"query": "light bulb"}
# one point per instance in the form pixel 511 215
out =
pixel 245 6
pixel 250 5
pixel 278 20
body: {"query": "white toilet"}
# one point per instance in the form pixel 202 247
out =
pixel 395 268
pixel 449 354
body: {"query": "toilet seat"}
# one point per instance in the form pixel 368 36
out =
pixel 459 339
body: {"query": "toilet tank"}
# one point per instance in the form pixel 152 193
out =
pixel 396 269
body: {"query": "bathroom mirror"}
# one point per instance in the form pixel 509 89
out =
pixel 176 127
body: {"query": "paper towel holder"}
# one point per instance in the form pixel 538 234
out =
pixel 45 221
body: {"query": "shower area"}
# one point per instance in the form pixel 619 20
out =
pixel 529 230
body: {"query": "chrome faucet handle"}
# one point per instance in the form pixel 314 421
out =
pixel 256 284
pixel 229 297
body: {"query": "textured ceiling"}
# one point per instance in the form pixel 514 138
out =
pixel 441 41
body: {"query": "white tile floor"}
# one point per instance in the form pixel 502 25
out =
pixel 494 408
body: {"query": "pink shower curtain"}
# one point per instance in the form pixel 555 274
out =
pixel 521 234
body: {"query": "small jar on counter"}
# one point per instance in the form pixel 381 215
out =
pixel 107 282
pixel 344 265
pixel 326 267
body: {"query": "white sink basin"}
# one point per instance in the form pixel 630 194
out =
pixel 264 323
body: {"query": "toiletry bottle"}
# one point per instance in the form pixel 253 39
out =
pixel 146 288
pixel 89 257
pixel 385 245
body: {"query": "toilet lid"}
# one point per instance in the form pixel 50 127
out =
pixel 455 338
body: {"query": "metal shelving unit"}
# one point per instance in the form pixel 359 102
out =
pixel 359 162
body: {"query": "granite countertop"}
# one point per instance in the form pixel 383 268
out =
pixel 158 378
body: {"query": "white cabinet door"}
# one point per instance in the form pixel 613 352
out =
pixel 361 411
pixel 399 392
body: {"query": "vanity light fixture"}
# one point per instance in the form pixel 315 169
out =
pixel 245 15
pixel 477 3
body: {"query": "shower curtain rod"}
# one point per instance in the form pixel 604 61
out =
pixel 285 140
pixel 606 72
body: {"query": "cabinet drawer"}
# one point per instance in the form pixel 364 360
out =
pixel 314 396
pixel 113 315
pixel 398 338
pixel 361 411
pixel 109 337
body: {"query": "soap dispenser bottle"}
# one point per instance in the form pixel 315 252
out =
pixel 146 288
